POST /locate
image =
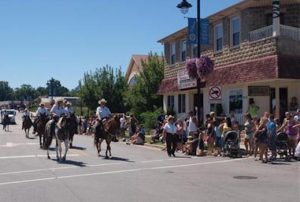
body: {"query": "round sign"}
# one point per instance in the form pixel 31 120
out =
pixel 215 93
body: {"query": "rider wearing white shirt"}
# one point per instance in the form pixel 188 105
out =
pixel 102 111
pixel 58 110
pixel 69 109
pixel 40 111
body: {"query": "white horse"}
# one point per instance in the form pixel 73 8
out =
pixel 61 135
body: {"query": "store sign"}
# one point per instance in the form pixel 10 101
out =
pixel 258 90
pixel 184 81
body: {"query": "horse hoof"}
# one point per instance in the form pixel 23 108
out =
pixel 48 157
pixel 106 157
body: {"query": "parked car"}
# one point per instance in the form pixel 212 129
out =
pixel 11 114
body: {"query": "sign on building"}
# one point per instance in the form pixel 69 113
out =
pixel 215 93
pixel 184 81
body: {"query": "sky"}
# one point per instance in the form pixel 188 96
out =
pixel 63 39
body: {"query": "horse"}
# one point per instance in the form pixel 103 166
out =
pixel 73 129
pixel 61 135
pixel 106 131
pixel 27 123
pixel 5 122
pixel 41 127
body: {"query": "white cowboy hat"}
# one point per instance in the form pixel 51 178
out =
pixel 170 117
pixel 59 100
pixel 102 101
pixel 68 103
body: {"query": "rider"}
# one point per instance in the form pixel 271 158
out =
pixel 69 109
pixel 102 112
pixel 26 114
pixel 39 112
pixel 56 112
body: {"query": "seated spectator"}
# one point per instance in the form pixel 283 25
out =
pixel 181 134
pixel 157 135
pixel 139 137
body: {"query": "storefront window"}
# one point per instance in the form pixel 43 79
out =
pixel 236 101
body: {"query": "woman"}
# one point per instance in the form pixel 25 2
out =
pixel 249 128
pixel 170 135
pixel 262 139
pixel 291 131
pixel 181 134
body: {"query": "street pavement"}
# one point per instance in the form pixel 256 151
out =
pixel 136 173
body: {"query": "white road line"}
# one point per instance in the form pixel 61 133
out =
pixel 12 144
pixel 32 156
pixel 117 172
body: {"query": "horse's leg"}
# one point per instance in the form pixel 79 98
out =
pixel 66 148
pixel 40 138
pixel 71 140
pixel 58 149
pixel 99 146
pixel 48 156
pixel 108 148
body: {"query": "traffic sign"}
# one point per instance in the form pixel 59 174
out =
pixel 215 93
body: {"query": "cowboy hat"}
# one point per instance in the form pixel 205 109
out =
pixel 170 117
pixel 68 103
pixel 41 104
pixel 59 100
pixel 102 101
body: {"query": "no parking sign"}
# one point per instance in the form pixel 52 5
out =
pixel 215 93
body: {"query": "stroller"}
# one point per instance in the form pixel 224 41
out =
pixel 282 145
pixel 231 144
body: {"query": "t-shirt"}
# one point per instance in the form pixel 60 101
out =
pixel 271 126
pixel 170 128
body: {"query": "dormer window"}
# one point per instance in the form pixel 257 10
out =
pixel 219 37
pixel 173 53
pixel 183 50
pixel 235 31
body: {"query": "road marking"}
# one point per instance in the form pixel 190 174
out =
pixel 33 156
pixel 118 172
pixel 12 144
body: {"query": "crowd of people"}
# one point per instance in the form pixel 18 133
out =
pixel 259 136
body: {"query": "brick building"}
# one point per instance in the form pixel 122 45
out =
pixel 254 56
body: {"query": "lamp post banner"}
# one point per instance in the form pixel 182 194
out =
pixel 192 31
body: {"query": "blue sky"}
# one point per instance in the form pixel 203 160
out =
pixel 63 39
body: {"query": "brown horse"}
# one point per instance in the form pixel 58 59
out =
pixel 106 131
pixel 27 123
pixel 40 128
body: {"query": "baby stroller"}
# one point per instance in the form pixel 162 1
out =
pixel 231 144
pixel 282 145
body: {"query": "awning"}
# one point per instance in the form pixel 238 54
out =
pixel 168 85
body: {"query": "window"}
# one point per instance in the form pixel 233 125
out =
pixel 236 101
pixel 235 31
pixel 181 103
pixel 173 53
pixel 170 102
pixel 195 50
pixel 219 37
pixel 183 50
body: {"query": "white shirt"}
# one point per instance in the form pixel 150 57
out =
pixel 69 110
pixel 170 128
pixel 26 114
pixel 41 110
pixel 57 110
pixel 122 122
pixel 192 126
pixel 103 112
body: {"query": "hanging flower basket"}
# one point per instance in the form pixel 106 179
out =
pixel 199 67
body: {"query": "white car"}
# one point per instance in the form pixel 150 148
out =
pixel 11 114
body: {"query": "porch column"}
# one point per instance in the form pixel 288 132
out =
pixel 276 17
pixel 277 100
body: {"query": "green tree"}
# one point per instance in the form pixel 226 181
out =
pixel 6 92
pixel 55 88
pixel 42 91
pixel 25 92
pixel 103 83
pixel 143 96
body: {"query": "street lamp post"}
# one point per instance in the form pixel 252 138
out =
pixel 184 7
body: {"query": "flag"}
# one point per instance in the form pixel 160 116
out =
pixel 193 31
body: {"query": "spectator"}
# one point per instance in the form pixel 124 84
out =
pixel 262 139
pixel 271 126
pixel 293 104
pixel 170 134
pixel 139 137
pixel 253 108
pixel 249 129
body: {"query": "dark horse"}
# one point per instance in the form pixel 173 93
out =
pixel 41 127
pixel 106 131
pixel 27 123
pixel 61 135
pixel 5 122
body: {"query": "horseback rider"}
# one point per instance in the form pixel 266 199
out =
pixel 69 109
pixel 102 112
pixel 56 112
pixel 26 115
pixel 41 111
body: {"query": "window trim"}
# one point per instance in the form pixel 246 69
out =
pixel 181 49
pixel 231 31
pixel 171 104
pixel 215 37
pixel 171 52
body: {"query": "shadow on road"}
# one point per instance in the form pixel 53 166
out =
pixel 78 148
pixel 114 158
pixel 71 162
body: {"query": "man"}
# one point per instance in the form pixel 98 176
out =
pixel 69 109
pixel 56 112
pixel 102 112
pixel 39 112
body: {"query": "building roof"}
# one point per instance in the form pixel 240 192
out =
pixel 135 59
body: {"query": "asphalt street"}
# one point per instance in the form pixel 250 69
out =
pixel 136 173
